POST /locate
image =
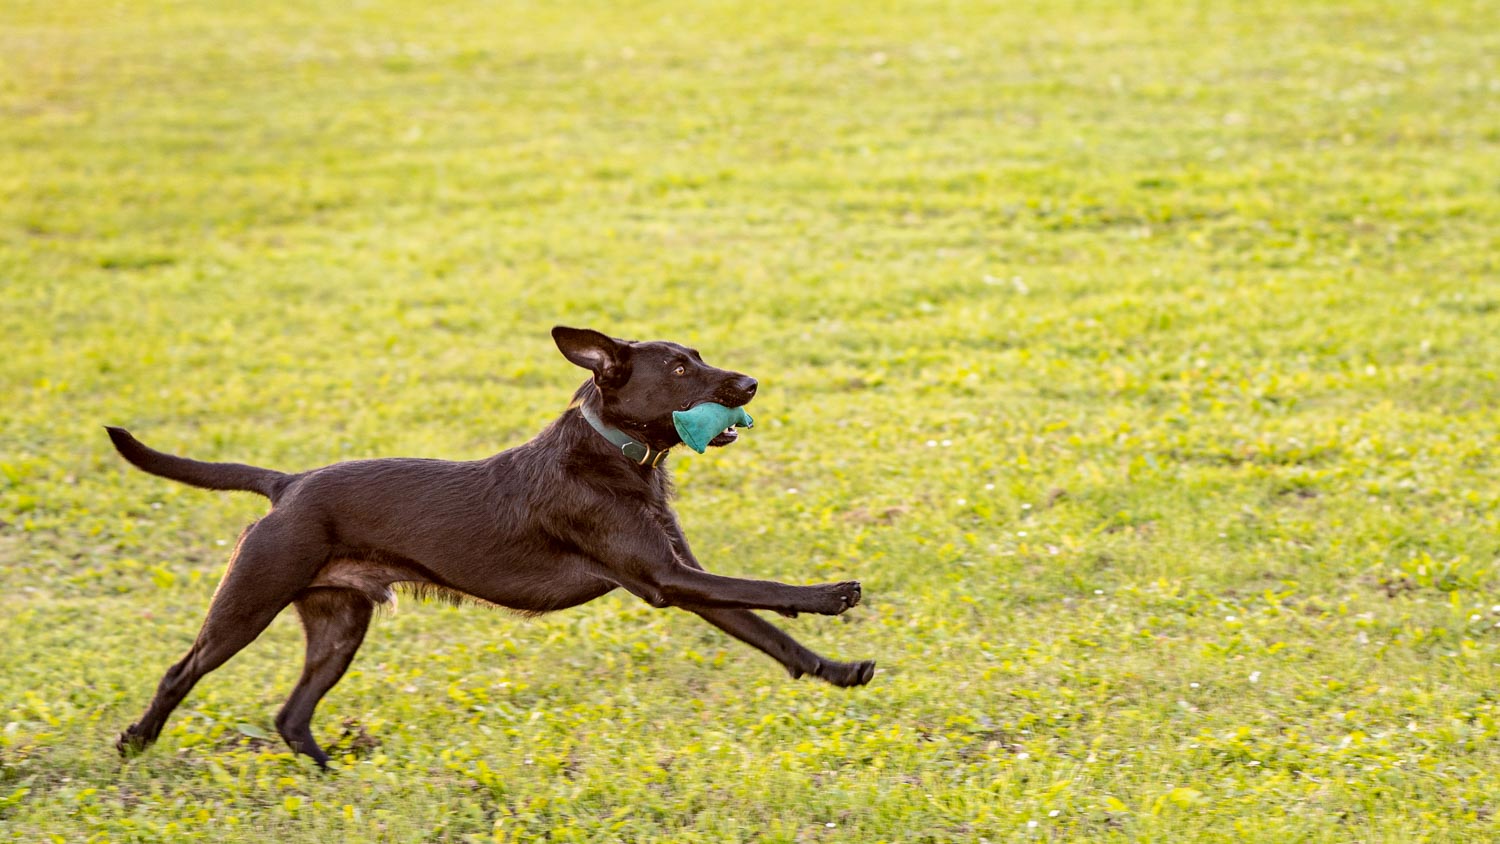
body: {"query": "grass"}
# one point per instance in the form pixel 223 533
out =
pixel 1139 358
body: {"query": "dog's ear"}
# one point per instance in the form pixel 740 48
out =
pixel 605 356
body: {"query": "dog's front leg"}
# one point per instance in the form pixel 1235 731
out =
pixel 798 660
pixel 767 637
pixel 675 584
pixel 631 548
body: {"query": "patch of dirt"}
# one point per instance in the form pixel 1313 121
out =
pixel 355 740
pixel 864 516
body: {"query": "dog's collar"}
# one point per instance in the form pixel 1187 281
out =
pixel 638 452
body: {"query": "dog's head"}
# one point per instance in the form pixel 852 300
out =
pixel 641 384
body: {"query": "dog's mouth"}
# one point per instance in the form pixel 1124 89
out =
pixel 730 403
pixel 728 435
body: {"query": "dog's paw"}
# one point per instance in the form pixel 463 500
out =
pixel 834 598
pixel 847 674
pixel 131 743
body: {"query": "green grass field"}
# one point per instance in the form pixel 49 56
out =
pixel 1140 359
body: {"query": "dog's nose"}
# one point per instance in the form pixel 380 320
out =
pixel 747 385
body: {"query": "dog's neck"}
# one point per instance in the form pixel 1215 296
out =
pixel 632 446
pixel 634 450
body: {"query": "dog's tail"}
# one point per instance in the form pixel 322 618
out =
pixel 267 482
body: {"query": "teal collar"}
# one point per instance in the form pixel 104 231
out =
pixel 638 452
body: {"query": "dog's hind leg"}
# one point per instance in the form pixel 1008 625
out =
pixel 765 636
pixel 334 621
pixel 269 567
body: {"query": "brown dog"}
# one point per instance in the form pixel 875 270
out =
pixel 579 510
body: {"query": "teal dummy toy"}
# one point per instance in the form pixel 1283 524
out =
pixel 704 422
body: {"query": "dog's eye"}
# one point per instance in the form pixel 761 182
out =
pixel 679 370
